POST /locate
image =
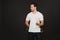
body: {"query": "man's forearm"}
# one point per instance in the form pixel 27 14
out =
pixel 42 23
pixel 27 24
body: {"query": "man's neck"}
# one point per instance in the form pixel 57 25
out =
pixel 34 11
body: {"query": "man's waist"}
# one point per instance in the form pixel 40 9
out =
pixel 34 26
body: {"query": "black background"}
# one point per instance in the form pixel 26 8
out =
pixel 12 18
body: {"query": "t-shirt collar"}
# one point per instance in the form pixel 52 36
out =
pixel 35 12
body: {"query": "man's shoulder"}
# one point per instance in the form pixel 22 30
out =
pixel 39 13
pixel 29 13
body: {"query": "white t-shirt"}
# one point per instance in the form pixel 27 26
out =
pixel 34 18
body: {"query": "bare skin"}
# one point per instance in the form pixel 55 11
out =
pixel 27 23
pixel 41 23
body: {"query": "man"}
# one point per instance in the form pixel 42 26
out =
pixel 34 20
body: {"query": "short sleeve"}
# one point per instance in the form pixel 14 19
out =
pixel 27 17
pixel 41 17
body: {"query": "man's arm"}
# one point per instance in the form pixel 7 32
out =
pixel 41 23
pixel 27 23
pixel 27 20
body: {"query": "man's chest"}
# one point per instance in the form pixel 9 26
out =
pixel 34 17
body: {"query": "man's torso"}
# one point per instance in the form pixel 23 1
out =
pixel 34 18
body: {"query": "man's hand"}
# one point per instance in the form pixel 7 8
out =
pixel 41 23
pixel 38 24
pixel 42 31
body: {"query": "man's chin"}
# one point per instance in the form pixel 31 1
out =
pixel 32 11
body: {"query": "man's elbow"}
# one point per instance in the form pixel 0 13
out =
pixel 42 24
pixel 25 23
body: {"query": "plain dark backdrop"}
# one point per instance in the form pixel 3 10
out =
pixel 12 18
